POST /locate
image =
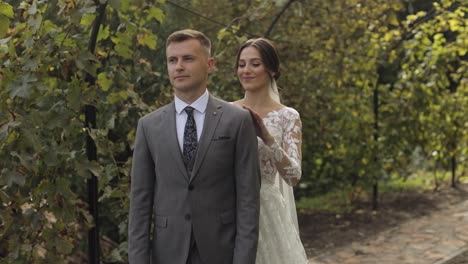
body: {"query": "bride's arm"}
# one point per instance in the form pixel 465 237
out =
pixel 288 156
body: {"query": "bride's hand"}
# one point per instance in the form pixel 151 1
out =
pixel 260 127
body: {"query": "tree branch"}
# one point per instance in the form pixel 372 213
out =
pixel 273 23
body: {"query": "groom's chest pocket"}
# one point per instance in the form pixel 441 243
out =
pixel 222 145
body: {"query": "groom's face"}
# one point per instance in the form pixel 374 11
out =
pixel 188 65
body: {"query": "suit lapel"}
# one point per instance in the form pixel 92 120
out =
pixel 172 141
pixel 212 115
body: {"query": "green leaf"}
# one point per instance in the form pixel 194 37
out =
pixel 4 197
pixel 88 8
pixel 82 171
pixel 35 22
pixel 95 169
pixel 56 119
pixel 74 95
pixel 6 10
pixel 51 158
pixel 4 132
pixel 123 94
pixel 87 62
pixel 30 65
pixel 21 87
pixel 155 13
pixel 148 40
pixel 5 25
pixel 87 19
pixel 103 33
pixel 125 5
pixel 4 47
pixel 49 27
pixel 5 129
pixel 12 177
pixel 32 10
pixel 26 159
pixel 87 216
pixel 393 20
pixel 123 50
pixel 116 4
pixel 110 124
pixel 116 256
pixel 63 246
pixel 104 82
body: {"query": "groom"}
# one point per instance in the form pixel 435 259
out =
pixel 195 173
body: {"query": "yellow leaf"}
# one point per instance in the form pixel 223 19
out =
pixel 104 81
pixel 6 10
pixel 388 36
pixel 103 33
pixel 393 20
pixel 462 51
pixel 454 25
pixel 5 24
pixel 87 19
pixel 149 40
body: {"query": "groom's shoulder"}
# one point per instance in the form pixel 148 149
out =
pixel 155 114
pixel 229 107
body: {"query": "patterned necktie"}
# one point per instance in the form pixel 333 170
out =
pixel 190 139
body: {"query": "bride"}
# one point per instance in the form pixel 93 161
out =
pixel 279 128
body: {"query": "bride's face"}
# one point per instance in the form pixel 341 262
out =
pixel 251 70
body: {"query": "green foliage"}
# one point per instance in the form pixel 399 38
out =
pixel 44 166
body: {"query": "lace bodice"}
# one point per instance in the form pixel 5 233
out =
pixel 284 155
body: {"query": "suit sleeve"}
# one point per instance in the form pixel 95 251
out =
pixel 247 173
pixel 141 200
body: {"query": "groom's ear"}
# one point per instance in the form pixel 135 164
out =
pixel 211 65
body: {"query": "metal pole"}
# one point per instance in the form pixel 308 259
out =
pixel 375 187
pixel 93 233
pixel 91 151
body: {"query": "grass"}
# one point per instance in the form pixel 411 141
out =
pixel 333 202
pixel 342 200
pixel 420 181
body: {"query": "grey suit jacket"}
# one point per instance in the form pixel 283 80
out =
pixel 218 202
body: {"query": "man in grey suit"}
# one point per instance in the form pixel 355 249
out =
pixel 195 175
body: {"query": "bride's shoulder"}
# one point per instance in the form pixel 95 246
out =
pixel 290 112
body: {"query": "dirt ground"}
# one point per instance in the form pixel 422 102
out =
pixel 460 259
pixel 321 232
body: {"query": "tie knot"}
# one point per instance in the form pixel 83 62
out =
pixel 189 110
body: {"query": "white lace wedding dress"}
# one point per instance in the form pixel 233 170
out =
pixel 279 241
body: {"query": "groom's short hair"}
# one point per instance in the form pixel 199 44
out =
pixel 186 34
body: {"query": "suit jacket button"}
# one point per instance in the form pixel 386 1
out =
pixel 190 187
pixel 188 217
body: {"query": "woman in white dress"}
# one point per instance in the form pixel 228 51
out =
pixel 279 130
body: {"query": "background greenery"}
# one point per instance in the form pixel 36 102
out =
pixel 381 87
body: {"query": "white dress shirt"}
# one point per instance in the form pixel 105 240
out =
pixel 199 116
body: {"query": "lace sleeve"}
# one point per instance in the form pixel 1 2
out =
pixel 288 156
